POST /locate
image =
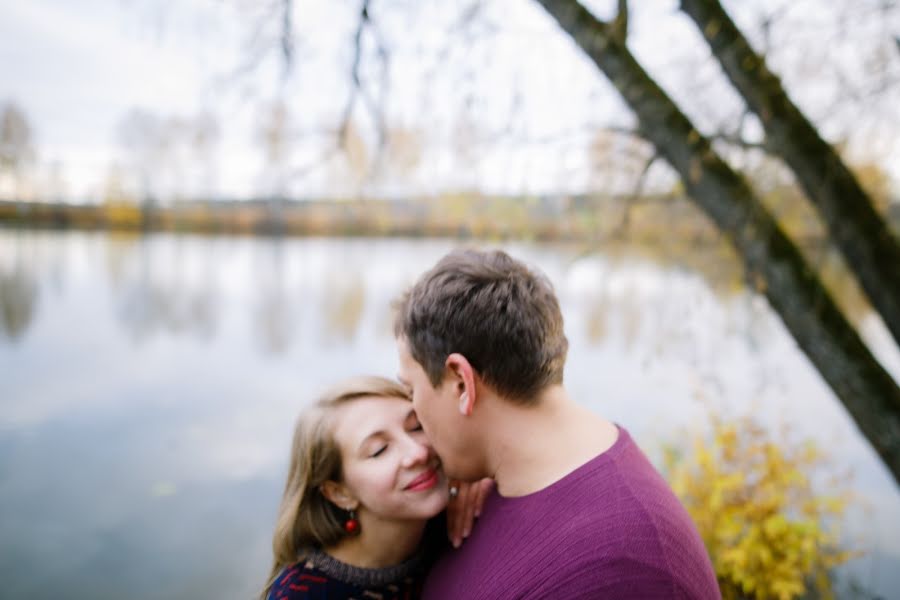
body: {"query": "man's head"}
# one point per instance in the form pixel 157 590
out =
pixel 477 320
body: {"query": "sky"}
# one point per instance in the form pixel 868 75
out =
pixel 501 109
pixel 77 68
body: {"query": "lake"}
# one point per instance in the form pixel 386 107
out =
pixel 148 388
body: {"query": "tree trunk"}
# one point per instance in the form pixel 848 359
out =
pixel 871 250
pixel 772 261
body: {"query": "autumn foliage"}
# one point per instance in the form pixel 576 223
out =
pixel 768 532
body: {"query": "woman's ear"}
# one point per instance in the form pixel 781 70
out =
pixel 339 495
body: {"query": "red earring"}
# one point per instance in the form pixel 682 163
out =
pixel 351 525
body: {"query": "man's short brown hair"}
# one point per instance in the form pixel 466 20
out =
pixel 499 314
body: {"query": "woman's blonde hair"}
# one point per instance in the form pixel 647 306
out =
pixel 306 519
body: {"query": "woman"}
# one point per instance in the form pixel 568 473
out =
pixel 362 486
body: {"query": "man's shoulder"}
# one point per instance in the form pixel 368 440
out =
pixel 617 488
pixel 614 521
pixel 621 492
pixel 620 474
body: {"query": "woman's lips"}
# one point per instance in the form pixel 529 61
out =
pixel 425 481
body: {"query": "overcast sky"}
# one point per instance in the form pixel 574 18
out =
pixel 76 69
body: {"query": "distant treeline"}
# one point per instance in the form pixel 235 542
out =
pixel 547 218
pixel 542 218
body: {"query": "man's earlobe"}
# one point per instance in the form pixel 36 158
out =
pixel 464 407
pixel 464 375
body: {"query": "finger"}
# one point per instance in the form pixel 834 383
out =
pixel 484 488
pixel 469 510
pixel 466 499
pixel 454 519
pixel 465 511
pixel 479 500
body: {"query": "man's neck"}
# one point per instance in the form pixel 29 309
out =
pixel 532 447
pixel 379 544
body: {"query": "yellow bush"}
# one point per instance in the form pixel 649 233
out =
pixel 768 533
pixel 123 215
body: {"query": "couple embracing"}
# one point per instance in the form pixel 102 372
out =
pixel 569 506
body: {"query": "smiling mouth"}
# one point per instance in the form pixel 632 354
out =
pixel 425 481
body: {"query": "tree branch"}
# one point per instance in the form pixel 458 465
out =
pixel 620 22
pixel 865 240
pixel 636 193
pixel 358 88
pixel 770 258
pixel 287 37
pixel 734 139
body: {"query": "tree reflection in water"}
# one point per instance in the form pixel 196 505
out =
pixel 273 316
pixel 19 290
pixel 342 305
pixel 160 285
pixel 18 300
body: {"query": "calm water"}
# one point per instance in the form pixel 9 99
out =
pixel 148 388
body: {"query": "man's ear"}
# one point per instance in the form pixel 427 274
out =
pixel 464 381
pixel 339 495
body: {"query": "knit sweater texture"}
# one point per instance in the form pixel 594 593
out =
pixel 611 528
pixel 321 577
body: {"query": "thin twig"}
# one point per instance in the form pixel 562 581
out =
pixel 636 194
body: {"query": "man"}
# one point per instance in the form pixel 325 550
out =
pixel 578 511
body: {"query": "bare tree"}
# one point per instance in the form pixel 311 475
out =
pixel 205 136
pixel 854 225
pixel 16 145
pixel 773 263
pixel 168 157
pixel 142 136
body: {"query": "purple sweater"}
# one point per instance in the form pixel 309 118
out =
pixel 610 529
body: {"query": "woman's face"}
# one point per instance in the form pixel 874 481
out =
pixel 388 464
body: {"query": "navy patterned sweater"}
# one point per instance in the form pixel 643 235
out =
pixel 320 577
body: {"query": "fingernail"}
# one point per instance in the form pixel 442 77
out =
pixel 456 543
pixel 466 533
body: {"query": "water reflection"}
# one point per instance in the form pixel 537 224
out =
pixel 18 300
pixel 148 392
pixel 163 288
pixel 342 305
pixel 18 286
pixel 171 284
pixel 274 311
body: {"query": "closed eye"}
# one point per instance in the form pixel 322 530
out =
pixel 412 422
pixel 378 452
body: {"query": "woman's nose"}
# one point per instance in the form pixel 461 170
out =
pixel 415 452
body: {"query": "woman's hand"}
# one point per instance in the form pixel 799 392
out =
pixel 466 500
